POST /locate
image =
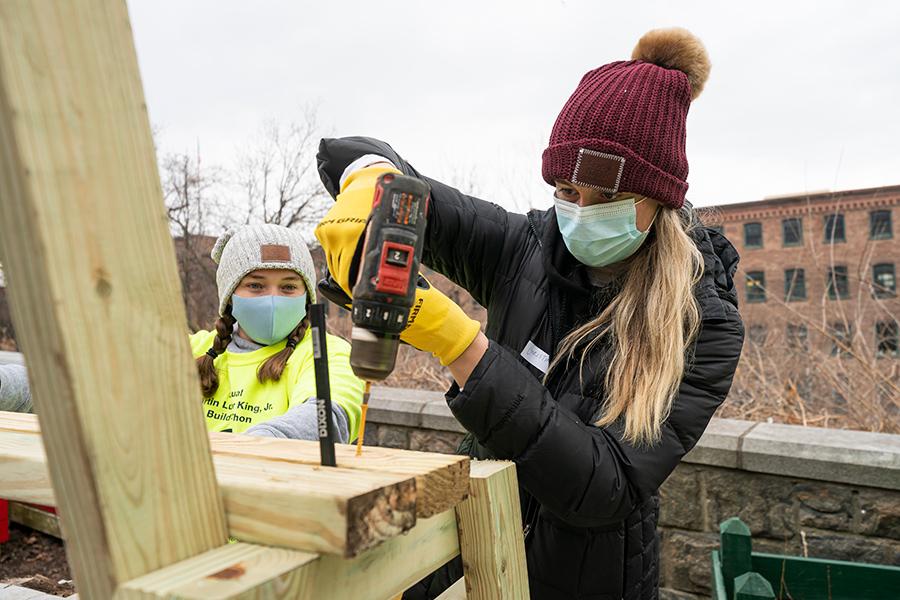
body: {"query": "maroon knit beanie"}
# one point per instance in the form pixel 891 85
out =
pixel 623 129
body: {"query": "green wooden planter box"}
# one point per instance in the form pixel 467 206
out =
pixel 738 573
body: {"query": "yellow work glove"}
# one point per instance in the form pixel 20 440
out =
pixel 436 324
pixel 342 227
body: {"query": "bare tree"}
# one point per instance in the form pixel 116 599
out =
pixel 192 196
pixel 277 175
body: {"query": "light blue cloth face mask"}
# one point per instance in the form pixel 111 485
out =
pixel 600 234
pixel 268 319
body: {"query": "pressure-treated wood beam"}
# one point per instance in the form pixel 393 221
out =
pixel 489 520
pixel 35 518
pixel 335 510
pixel 490 534
pixel 236 571
pixel 95 295
pixel 332 510
pixel 442 480
pixel 233 571
pixel 387 570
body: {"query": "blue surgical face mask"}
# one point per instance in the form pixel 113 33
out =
pixel 268 319
pixel 600 234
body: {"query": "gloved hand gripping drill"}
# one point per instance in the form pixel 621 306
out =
pixel 391 301
pixel 385 289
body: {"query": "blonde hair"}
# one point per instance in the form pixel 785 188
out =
pixel 650 323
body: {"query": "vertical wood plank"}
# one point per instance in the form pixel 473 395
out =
pixel 490 534
pixel 95 295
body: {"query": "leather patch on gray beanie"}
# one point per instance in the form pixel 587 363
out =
pixel 274 253
pixel 599 170
pixel 265 246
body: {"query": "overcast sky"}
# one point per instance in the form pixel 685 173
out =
pixel 803 95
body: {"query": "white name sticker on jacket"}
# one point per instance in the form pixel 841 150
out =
pixel 538 359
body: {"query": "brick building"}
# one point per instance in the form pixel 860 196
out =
pixel 818 275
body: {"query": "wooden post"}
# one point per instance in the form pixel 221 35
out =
pixel 490 534
pixel 34 517
pixel 752 586
pixel 736 548
pixel 95 296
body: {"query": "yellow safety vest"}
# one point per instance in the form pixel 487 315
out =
pixel 242 401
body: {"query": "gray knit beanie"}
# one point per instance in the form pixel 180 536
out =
pixel 250 247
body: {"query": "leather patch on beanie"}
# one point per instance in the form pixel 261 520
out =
pixel 274 253
pixel 599 170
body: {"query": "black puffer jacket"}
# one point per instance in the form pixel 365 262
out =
pixel 589 499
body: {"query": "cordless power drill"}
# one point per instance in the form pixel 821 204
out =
pixel 388 273
pixel 386 288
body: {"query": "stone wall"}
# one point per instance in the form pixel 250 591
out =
pixel 802 490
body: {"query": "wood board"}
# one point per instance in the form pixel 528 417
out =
pixel 442 480
pixel 329 510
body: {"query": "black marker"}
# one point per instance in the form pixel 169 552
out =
pixel 323 386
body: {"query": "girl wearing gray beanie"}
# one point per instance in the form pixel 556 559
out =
pixel 256 367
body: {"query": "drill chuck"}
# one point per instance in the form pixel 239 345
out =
pixel 372 355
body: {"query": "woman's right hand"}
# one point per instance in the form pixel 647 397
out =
pixel 436 324
pixel 340 230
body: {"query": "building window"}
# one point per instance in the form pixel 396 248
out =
pixel 886 339
pixel 797 337
pixel 834 229
pixel 792 231
pixel 756 286
pixel 794 285
pixel 841 335
pixel 753 235
pixel 837 283
pixel 883 282
pixel 880 227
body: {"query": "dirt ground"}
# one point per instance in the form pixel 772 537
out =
pixel 34 560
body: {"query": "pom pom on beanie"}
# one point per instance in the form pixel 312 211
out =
pixel 679 49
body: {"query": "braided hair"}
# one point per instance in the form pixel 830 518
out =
pixel 209 377
pixel 271 370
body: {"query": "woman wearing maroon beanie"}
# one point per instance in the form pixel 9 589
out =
pixel 613 332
